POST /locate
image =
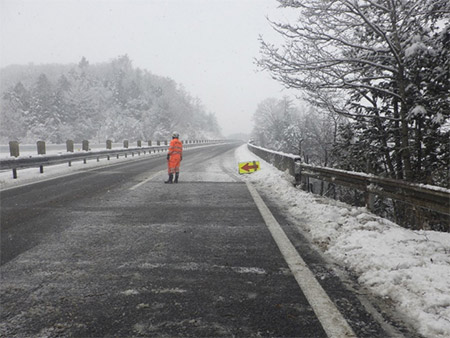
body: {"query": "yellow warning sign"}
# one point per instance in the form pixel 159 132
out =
pixel 248 167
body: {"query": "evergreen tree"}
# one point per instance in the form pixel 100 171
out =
pixel 60 99
pixel 15 105
pixel 103 101
pixel 42 119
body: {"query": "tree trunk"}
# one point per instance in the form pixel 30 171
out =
pixel 419 151
pixel 398 147
pixel 400 88
pixel 406 153
pixel 384 142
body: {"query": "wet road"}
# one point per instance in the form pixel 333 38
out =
pixel 115 252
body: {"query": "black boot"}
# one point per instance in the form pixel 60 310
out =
pixel 170 179
pixel 176 177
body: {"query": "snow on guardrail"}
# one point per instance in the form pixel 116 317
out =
pixel 419 195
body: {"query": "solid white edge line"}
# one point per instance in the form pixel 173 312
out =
pixel 329 316
pixel 146 180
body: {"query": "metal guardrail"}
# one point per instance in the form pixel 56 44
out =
pixel 39 161
pixel 425 196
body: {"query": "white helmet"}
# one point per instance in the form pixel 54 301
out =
pixel 175 134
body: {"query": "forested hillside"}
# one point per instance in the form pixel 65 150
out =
pixel 112 100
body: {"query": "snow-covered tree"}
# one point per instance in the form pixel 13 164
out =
pixel 365 59
pixel 14 106
pixel 42 119
pixel 103 101
pixel 270 124
pixel 309 132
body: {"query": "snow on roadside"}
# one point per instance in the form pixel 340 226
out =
pixel 412 268
pixel 32 175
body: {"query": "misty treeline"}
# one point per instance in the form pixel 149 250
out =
pixel 111 100
pixel 377 76
pixel 301 130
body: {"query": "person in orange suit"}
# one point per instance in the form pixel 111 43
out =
pixel 174 157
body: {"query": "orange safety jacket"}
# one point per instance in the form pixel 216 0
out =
pixel 174 156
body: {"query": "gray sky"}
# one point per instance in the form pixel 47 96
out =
pixel 208 46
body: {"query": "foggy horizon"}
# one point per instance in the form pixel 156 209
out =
pixel 208 47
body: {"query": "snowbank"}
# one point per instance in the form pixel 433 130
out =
pixel 412 268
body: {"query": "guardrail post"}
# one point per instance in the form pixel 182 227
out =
pixel 158 143
pixel 165 142
pixel 369 199
pixel 69 146
pixel 125 143
pixel 41 151
pixel 14 148
pixel 40 147
pixel 149 143
pixel 299 180
pixel 108 144
pixel 139 143
pixel 85 145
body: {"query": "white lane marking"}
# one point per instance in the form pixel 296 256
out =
pixel 146 180
pixel 329 316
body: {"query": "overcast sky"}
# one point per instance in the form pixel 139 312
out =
pixel 208 46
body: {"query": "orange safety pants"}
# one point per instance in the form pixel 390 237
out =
pixel 174 163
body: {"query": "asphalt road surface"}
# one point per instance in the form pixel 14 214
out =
pixel 115 252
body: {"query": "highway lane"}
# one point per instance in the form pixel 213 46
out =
pixel 116 252
pixel 24 210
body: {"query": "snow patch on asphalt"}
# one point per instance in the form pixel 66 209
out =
pixel 193 266
pixel 257 271
pixel 167 290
